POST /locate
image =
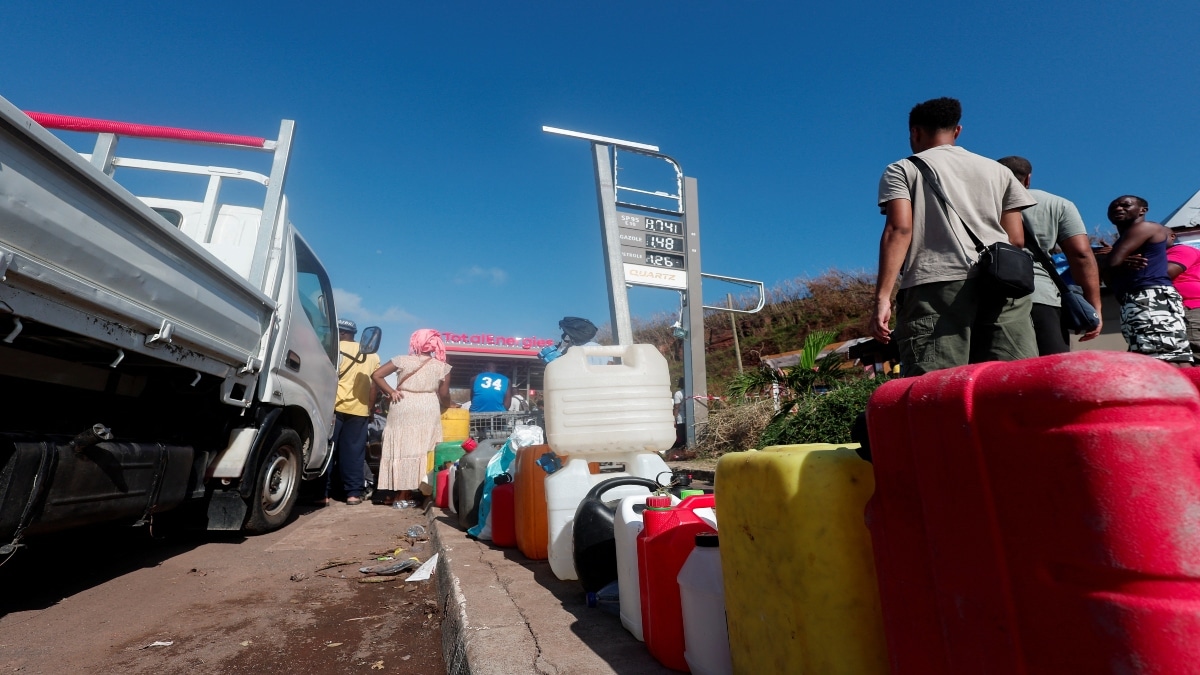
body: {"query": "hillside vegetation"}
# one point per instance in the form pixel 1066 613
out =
pixel 836 301
pixel 832 307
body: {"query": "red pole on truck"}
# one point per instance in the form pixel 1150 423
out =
pixel 87 124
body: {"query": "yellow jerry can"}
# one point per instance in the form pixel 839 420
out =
pixel 800 589
pixel 456 424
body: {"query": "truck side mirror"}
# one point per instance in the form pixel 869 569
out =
pixel 369 343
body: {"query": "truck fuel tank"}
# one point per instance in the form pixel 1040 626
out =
pixel 49 483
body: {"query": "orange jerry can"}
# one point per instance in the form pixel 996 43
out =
pixel 529 509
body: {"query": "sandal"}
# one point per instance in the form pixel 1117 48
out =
pixel 353 501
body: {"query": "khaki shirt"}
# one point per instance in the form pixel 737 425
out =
pixel 981 190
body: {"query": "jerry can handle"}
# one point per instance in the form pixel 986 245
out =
pixel 603 350
pixel 604 486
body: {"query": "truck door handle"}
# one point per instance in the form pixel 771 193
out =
pixel 292 361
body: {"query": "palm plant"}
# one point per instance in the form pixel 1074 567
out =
pixel 801 378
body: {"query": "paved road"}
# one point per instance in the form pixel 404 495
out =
pixel 93 600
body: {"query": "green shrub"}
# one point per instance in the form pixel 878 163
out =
pixel 822 418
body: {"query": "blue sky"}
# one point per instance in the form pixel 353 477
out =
pixel 422 179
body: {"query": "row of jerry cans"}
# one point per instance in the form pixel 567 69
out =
pixel 1036 517
pixel 787 586
pixel 608 412
pixel 460 485
pixel 669 580
pixel 456 423
pixel 537 507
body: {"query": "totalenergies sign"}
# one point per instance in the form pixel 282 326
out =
pixel 489 340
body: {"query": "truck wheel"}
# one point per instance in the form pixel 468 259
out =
pixel 277 484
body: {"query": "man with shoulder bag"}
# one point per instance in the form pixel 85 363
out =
pixel 952 239
pixel 352 414
pixel 1058 308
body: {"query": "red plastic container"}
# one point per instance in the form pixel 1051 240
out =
pixel 441 495
pixel 504 519
pixel 1192 374
pixel 664 544
pixel 1039 517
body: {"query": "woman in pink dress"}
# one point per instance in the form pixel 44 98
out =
pixel 414 421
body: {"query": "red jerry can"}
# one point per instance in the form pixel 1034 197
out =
pixel 441 495
pixel 1039 517
pixel 664 544
pixel 1192 374
pixel 504 520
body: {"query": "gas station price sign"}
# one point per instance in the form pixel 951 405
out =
pixel 660 237
pixel 653 250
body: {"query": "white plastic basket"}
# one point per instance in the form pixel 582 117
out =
pixel 497 425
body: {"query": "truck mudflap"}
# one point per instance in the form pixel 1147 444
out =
pixel 50 483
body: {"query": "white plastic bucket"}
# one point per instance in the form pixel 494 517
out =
pixel 626 525
pixel 566 488
pixel 619 407
pixel 702 598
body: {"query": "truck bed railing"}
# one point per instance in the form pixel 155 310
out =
pixel 264 268
pixel 98 126
pixel 81 254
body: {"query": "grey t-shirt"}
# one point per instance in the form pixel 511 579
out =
pixel 1052 219
pixel 981 190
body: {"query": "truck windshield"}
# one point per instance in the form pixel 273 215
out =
pixel 315 294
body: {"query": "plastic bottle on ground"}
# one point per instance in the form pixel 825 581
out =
pixel 607 599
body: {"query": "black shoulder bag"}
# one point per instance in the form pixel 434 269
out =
pixel 1008 270
pixel 1078 315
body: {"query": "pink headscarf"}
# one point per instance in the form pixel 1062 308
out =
pixel 427 341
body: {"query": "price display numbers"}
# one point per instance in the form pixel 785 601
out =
pixel 665 226
pixel 662 243
pixel 649 224
pixel 664 260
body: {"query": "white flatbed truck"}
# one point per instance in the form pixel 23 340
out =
pixel 154 352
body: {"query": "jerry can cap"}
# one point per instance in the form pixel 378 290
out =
pixel 659 502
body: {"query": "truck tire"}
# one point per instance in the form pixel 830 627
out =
pixel 276 484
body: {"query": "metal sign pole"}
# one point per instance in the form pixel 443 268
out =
pixel 651 257
pixel 695 379
pixel 618 298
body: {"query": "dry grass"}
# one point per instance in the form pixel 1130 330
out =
pixel 735 428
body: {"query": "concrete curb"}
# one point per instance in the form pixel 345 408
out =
pixel 476 630
pixel 454 610
pixel 505 614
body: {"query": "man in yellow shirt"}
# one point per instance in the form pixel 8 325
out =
pixel 352 413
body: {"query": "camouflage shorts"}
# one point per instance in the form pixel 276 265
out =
pixel 1153 324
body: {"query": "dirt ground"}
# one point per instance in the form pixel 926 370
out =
pixel 97 600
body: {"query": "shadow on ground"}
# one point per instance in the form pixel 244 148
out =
pixel 52 567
